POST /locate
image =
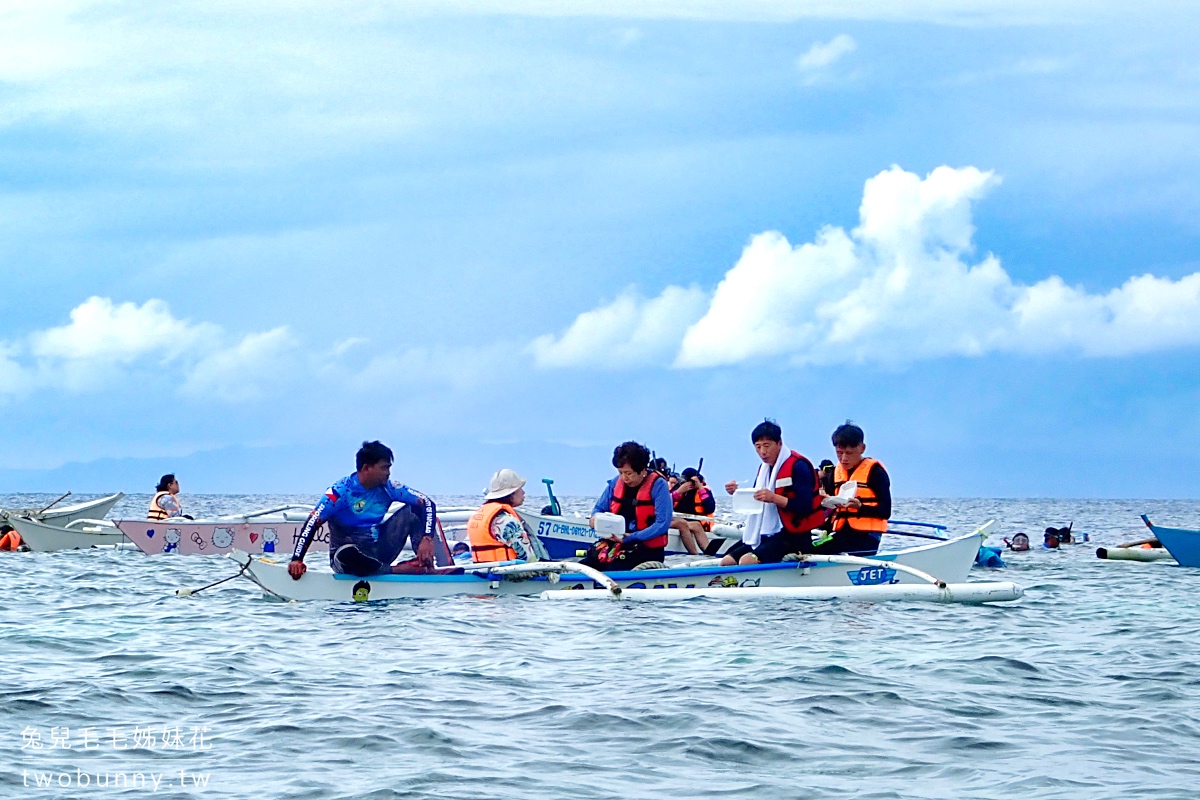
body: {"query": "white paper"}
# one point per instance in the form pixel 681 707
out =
pixel 845 494
pixel 744 502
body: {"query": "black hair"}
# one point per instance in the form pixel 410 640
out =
pixel 848 435
pixel 164 483
pixel 767 429
pixel 690 473
pixel 372 453
pixel 633 455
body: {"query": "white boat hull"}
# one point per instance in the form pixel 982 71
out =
pixel 62 516
pixel 43 538
pixel 949 561
pixel 989 592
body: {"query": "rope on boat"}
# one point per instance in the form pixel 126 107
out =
pixel 186 592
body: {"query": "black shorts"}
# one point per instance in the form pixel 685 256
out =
pixel 772 549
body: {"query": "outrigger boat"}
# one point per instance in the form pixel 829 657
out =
pixel 935 571
pixel 1182 543
pixel 266 531
pixel 61 516
pixel 79 534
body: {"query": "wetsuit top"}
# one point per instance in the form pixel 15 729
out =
pixel 663 507
pixel 351 505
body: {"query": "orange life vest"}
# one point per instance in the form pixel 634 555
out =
pixel 157 512
pixel 852 517
pixel 643 507
pixel 697 508
pixel 10 541
pixel 801 521
pixel 485 546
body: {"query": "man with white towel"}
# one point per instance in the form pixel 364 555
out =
pixel 790 493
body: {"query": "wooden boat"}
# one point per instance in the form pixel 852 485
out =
pixel 62 516
pixel 266 531
pixel 947 561
pixel 1182 543
pixel 78 534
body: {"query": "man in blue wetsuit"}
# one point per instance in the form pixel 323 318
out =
pixel 360 541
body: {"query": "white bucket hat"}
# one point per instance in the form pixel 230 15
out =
pixel 503 483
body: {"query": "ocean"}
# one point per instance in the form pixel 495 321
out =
pixel 1088 687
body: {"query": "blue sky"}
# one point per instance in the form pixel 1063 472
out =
pixel 516 234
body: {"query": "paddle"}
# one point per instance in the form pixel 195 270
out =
pixel 555 509
pixel 59 500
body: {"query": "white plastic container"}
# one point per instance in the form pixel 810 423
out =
pixel 610 526
pixel 744 502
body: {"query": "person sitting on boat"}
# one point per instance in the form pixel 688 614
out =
pixel 858 526
pixel 361 542
pixel 496 531
pixel 640 496
pixel 787 486
pixel 165 503
pixel 10 540
pixel 693 497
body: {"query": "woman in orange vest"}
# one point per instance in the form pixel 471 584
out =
pixel 858 526
pixel 692 497
pixel 641 496
pixel 165 504
pixel 496 531
pixel 10 540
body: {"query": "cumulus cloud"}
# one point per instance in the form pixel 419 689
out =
pixel 629 331
pixel 106 342
pixel 822 54
pixel 902 286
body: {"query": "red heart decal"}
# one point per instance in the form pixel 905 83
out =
pixel 253 538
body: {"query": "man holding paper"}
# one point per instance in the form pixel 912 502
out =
pixel 788 491
pixel 864 497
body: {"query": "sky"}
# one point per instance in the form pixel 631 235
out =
pixel 236 241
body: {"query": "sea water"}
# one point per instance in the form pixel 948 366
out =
pixel 1088 687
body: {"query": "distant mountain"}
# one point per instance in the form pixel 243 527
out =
pixel 440 467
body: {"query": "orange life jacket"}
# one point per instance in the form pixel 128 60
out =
pixel 697 507
pixel 485 546
pixel 157 512
pixel 852 517
pixel 10 541
pixel 801 521
pixel 643 507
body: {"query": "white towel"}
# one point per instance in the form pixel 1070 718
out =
pixel 768 522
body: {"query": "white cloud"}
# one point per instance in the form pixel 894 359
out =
pixel 900 287
pixel 239 372
pixel 106 343
pixel 629 331
pixel 823 54
pixel 100 331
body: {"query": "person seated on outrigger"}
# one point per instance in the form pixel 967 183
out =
pixel 858 526
pixel 640 496
pixel 496 531
pixel 787 486
pixel 165 503
pixel 693 497
pixel 361 542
